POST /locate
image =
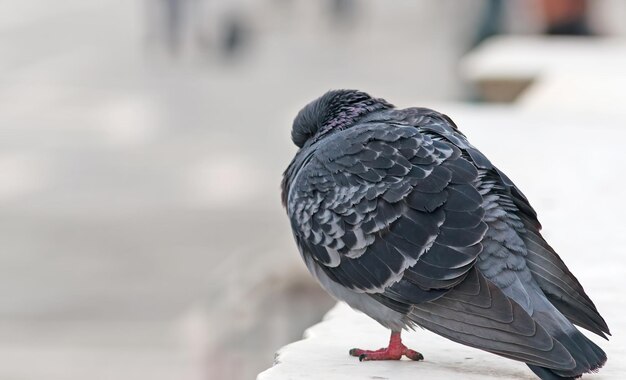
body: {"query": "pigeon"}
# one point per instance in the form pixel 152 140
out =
pixel 395 213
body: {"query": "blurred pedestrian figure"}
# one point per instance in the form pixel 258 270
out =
pixel 557 17
pixel 167 22
pixel 174 23
pixel 233 34
pixel 566 17
pixel 491 21
pixel 342 12
pixel 180 27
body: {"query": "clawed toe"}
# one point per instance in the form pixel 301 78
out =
pixel 395 351
pixel 385 354
pixel 413 355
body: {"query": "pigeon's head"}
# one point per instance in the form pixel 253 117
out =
pixel 335 110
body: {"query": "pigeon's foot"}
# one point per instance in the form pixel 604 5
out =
pixel 395 351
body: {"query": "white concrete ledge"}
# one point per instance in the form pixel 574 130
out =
pixel 504 67
pixel 527 57
pixel 323 354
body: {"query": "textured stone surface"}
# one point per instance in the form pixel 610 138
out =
pixel 323 354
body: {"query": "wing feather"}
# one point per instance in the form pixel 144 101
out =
pixel 478 314
pixel 368 207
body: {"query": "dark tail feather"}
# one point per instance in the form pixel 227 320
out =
pixel 588 356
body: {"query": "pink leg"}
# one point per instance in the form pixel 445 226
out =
pixel 394 352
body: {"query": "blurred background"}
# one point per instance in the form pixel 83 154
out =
pixel 142 145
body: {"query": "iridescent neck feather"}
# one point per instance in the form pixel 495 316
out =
pixel 335 110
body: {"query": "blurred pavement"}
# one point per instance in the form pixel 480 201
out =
pixel 141 228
